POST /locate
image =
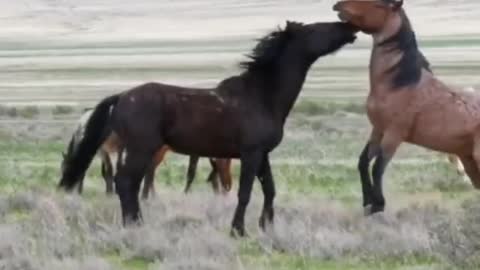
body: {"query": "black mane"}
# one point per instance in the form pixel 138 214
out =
pixel 267 50
pixel 409 69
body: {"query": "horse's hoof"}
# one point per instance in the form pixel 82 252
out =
pixel 238 233
pixel 266 221
pixel 372 209
pixel 377 209
pixel 367 210
pixel 265 225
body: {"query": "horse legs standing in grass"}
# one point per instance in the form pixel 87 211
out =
pixel 220 177
pixel 213 176
pixel 218 165
pixel 471 163
pixel 191 172
pixel 107 171
pixel 149 184
pixel 369 152
pixel 268 187
pixel 128 180
pixel 223 167
pixel 249 168
pixel 80 184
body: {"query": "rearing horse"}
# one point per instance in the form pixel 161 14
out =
pixel 243 117
pixel 407 103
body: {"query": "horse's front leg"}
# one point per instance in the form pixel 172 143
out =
pixel 250 163
pixel 389 145
pixel 369 152
pixel 268 188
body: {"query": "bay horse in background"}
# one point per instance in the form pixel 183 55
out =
pixel 407 103
pixel 112 146
pixel 242 117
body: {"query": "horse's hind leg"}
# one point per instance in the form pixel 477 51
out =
pixel 458 164
pixel 213 176
pixel 80 183
pixel 223 166
pixel 192 169
pixel 471 166
pixel 149 183
pixel 107 172
pixel 128 181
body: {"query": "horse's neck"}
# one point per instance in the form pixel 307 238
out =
pixel 384 56
pixel 288 81
pixel 382 60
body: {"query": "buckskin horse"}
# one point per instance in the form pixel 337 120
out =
pixel 242 117
pixel 112 146
pixel 407 103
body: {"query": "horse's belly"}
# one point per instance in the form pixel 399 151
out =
pixel 450 141
pixel 205 148
pixel 219 141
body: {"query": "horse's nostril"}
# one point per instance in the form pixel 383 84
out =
pixel 336 7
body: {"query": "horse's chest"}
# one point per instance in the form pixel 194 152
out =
pixel 374 110
pixel 274 139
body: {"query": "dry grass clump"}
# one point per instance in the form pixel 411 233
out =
pixel 330 231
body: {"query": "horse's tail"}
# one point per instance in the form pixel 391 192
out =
pixel 96 131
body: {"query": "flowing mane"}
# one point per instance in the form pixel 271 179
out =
pixel 408 70
pixel 268 49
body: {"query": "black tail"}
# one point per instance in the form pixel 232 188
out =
pixel 97 130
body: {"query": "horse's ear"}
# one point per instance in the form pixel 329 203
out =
pixel 396 4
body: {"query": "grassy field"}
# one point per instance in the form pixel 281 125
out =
pixel 431 222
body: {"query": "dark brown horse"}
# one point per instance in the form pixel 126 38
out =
pixel 243 117
pixel 407 103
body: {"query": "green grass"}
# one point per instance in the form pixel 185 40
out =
pixel 127 264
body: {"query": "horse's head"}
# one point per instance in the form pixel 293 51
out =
pixel 306 40
pixel 369 16
pixel 324 38
pixel 67 162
